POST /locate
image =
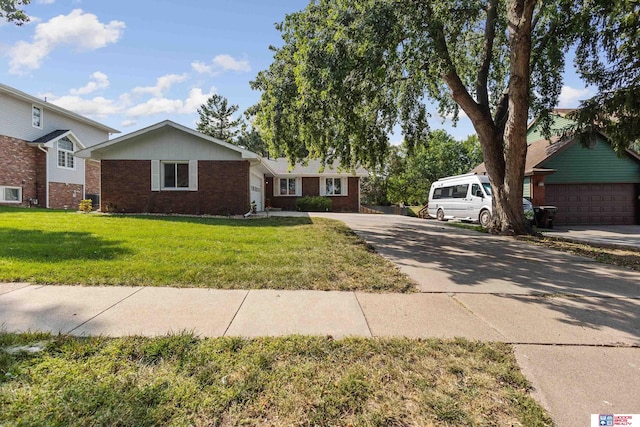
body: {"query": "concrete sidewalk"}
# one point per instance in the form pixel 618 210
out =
pixel 620 235
pixel 574 323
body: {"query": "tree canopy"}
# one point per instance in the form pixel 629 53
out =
pixel 608 58
pixel 11 12
pixel 251 140
pixel 409 172
pixel 216 119
pixel 350 70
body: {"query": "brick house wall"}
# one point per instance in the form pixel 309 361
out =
pixel 223 189
pixel 311 188
pixel 18 169
pixel 41 177
pixel 64 196
pixel 92 177
pixel 350 203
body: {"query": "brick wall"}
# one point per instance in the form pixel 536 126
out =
pixel 41 177
pixel 64 196
pixel 349 203
pixel 92 176
pixel 18 166
pixel 310 188
pixel 223 189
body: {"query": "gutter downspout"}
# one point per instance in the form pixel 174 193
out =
pixel 46 168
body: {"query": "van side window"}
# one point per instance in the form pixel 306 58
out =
pixel 442 193
pixel 474 190
pixel 460 191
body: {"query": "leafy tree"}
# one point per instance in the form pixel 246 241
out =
pixel 216 119
pixel 9 11
pixel 418 167
pixel 608 58
pixel 375 187
pixel 350 70
pixel 252 141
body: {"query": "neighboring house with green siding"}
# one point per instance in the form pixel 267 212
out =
pixel 588 185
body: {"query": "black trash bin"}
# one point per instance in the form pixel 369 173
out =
pixel 544 216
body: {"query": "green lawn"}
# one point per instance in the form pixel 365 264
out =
pixel 57 247
pixel 292 381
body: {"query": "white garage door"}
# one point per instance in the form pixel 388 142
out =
pixel 256 190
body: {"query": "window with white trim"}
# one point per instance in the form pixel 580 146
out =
pixel 334 187
pixel 65 153
pixel 175 175
pixel 36 116
pixel 181 175
pixel 11 194
pixel 288 187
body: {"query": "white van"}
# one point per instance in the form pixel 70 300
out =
pixel 466 197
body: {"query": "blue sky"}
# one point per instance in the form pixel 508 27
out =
pixel 132 64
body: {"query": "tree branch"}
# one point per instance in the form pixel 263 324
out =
pixel 482 92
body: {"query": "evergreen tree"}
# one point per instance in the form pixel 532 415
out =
pixel 216 119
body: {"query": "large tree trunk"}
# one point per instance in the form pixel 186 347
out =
pixel 503 138
pixel 505 151
pixel 508 194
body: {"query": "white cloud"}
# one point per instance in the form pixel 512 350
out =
pixel 128 123
pixel 158 105
pixel 96 107
pixel 99 81
pixel 162 85
pixel 80 30
pixel 227 63
pixel 220 64
pixel 201 67
pixel 46 1
pixel 570 97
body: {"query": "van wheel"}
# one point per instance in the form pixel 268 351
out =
pixel 440 215
pixel 485 218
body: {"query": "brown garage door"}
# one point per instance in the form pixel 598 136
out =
pixel 592 203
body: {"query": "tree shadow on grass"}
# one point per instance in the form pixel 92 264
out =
pixel 56 246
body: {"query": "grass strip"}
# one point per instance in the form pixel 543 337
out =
pixel 292 381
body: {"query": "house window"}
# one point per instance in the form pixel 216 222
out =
pixel 11 194
pixel 175 175
pixel 287 186
pixel 334 186
pixel 65 153
pixel 36 117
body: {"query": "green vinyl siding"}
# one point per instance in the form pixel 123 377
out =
pixel 559 125
pixel 578 164
pixel 527 187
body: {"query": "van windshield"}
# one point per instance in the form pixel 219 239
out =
pixel 487 188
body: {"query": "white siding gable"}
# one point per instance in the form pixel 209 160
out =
pixel 16 122
pixel 166 143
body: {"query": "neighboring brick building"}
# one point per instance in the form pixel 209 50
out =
pixel 169 168
pixel 587 184
pixel 37 145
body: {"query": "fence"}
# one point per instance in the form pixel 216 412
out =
pixel 387 210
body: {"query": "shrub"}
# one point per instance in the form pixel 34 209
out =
pixel 314 204
pixel 86 205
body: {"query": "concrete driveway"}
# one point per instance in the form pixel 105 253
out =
pixel 574 323
pixel 623 235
